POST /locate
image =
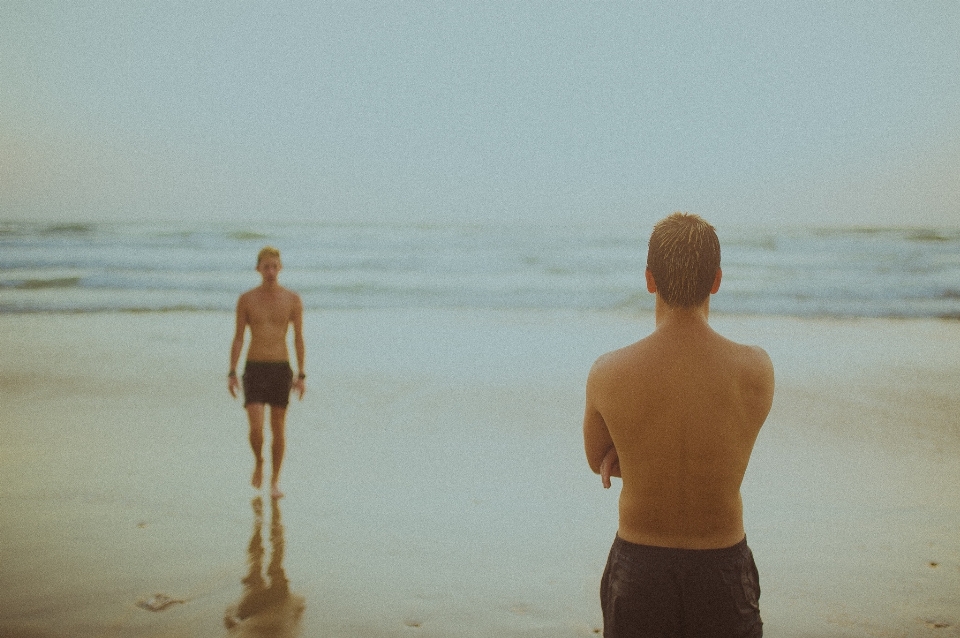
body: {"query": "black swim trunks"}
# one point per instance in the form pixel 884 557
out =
pixel 267 382
pixel 663 591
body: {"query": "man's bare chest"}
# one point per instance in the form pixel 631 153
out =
pixel 267 310
pixel 269 317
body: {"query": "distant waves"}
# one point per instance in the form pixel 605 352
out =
pixel 842 272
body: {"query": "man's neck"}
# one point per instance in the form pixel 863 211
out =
pixel 270 286
pixel 667 315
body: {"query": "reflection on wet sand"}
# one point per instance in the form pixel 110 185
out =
pixel 266 607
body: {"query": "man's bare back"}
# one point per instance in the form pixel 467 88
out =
pixel 682 409
pixel 675 415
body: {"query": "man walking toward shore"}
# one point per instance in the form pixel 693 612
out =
pixel 268 310
pixel 676 415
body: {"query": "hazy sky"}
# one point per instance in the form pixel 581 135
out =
pixel 839 112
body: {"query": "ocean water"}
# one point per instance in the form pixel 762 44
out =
pixel 805 272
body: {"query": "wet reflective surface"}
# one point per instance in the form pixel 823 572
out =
pixel 266 607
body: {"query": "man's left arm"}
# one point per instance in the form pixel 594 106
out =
pixel 296 318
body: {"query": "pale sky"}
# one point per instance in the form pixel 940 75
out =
pixel 783 112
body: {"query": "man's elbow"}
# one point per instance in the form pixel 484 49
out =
pixel 598 457
pixel 594 461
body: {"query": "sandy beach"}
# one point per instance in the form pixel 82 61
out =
pixel 435 478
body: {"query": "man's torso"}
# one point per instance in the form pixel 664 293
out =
pixel 268 314
pixel 683 415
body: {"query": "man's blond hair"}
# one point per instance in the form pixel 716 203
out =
pixel 683 256
pixel 267 251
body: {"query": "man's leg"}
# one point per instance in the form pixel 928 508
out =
pixel 278 416
pixel 255 412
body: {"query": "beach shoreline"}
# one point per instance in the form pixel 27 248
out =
pixel 436 480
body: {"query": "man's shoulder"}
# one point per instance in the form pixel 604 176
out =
pixel 292 300
pixel 753 363
pixel 753 356
pixel 246 297
pixel 610 362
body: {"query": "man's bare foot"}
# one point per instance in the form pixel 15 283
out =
pixel 275 491
pixel 257 479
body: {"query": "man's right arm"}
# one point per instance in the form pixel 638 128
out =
pixel 233 384
pixel 597 441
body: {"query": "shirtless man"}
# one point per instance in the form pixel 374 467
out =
pixel 268 310
pixel 675 415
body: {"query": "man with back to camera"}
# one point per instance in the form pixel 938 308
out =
pixel 675 415
pixel 269 309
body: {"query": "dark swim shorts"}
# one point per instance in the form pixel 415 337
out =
pixel 267 382
pixel 663 591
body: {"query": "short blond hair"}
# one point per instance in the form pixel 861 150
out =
pixel 683 256
pixel 267 251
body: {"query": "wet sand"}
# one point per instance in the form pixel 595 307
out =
pixel 435 478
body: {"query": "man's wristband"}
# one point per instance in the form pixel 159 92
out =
pixel 232 373
pixel 301 376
